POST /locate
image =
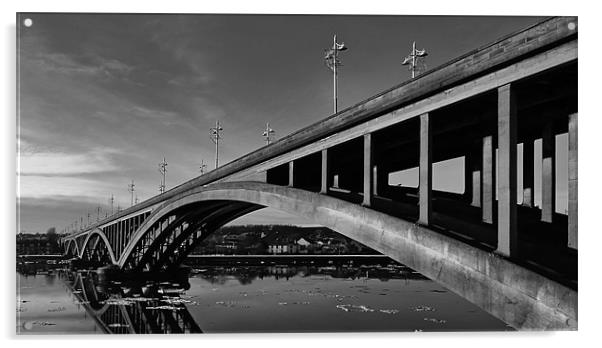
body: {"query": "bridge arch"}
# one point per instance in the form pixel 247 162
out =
pixel 520 297
pixel 71 247
pixel 103 238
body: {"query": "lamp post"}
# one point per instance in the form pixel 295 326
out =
pixel 131 191
pixel 202 167
pixel 267 132
pixel 162 170
pixel 332 61
pixel 412 58
pixel 215 137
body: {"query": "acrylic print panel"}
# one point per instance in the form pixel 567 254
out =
pixel 196 173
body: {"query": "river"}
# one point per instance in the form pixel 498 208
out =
pixel 267 296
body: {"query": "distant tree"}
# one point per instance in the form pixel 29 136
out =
pixel 52 238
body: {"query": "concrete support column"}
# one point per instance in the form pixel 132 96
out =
pixel 117 239
pixel 572 239
pixel 424 188
pixel 374 180
pixel 507 241
pixel 548 169
pixel 528 181
pixel 291 173
pixel 325 168
pixel 468 185
pixel 368 174
pixel 487 179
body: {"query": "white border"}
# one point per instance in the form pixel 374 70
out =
pixel 589 153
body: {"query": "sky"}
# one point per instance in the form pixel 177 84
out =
pixel 103 98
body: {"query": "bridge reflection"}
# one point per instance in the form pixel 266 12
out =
pixel 132 307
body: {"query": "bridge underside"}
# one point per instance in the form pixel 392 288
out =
pixel 520 297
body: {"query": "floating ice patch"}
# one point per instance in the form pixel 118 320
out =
pixel 229 304
pixel 173 308
pixel 436 321
pixel 176 301
pixel 389 311
pixel 117 302
pixel 355 308
pixel 423 309
pixel 43 323
pixel 118 325
pixel 282 303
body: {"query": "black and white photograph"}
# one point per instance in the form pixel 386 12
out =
pixel 190 173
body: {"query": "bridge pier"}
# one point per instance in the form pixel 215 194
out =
pixel 325 174
pixel 528 174
pixel 488 179
pixel 425 168
pixel 548 173
pixel 507 241
pixel 368 170
pixel 573 192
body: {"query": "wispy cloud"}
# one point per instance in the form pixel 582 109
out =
pixel 57 163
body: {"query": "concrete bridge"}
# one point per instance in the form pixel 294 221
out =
pixel 491 243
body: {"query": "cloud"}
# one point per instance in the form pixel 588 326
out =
pixel 59 163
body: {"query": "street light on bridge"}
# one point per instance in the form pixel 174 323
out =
pixel 131 191
pixel 412 58
pixel 332 60
pixel 202 167
pixel 162 170
pixel 267 132
pixel 215 137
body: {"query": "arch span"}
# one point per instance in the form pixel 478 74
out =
pixel 519 297
pixel 103 238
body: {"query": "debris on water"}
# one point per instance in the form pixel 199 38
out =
pixel 21 309
pixel 423 309
pixel 243 293
pixel 231 304
pixel 171 291
pixel 118 325
pixel 418 330
pixel 82 302
pixel 117 302
pixel 55 301
pixel 139 299
pixel 173 308
pixel 439 291
pixel 389 311
pixel 176 301
pixel 355 308
pixel 436 321
pixel 43 323
pixel 58 309
pixel 282 303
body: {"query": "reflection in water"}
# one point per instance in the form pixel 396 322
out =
pixel 258 296
pixel 132 307
pixel 247 274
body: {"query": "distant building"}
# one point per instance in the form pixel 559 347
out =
pixel 35 244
